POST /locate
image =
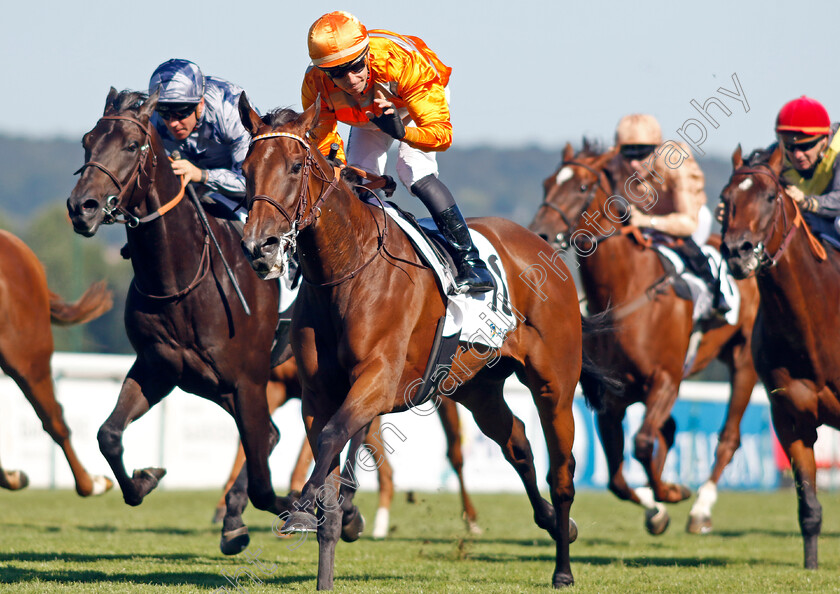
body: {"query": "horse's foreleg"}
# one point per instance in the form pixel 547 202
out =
pixel 655 438
pixel 378 460
pixel 259 435
pixel 448 412
pixel 37 386
pixel 797 439
pixel 352 523
pixel 134 401
pixel 742 381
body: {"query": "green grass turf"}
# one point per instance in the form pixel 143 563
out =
pixel 54 541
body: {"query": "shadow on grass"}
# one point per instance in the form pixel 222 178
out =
pixel 96 557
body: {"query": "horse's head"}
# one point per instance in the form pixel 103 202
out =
pixel 285 179
pixel 117 158
pixel 577 186
pixel 752 208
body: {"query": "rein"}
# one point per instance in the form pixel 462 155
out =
pixel 114 208
pixel 573 224
pixel 303 219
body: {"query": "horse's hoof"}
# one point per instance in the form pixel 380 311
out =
pixel 685 493
pixel 563 580
pixel 573 531
pixel 219 514
pixel 473 528
pixel 699 525
pixel 234 541
pixel 14 480
pixel 657 519
pixel 300 521
pixel 101 484
pixel 353 524
pixel 144 482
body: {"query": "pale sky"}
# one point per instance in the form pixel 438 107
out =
pixel 525 72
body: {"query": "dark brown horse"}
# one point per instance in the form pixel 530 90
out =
pixel 284 385
pixel 182 315
pixel 26 348
pixel 764 236
pixel 367 315
pixel 652 330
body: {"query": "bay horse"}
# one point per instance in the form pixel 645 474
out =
pixel 26 347
pixel 284 385
pixel 765 237
pixel 651 335
pixel 366 317
pixel 182 315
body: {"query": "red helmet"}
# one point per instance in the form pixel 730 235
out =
pixel 803 116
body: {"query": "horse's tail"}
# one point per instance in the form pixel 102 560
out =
pixel 96 301
pixel 595 381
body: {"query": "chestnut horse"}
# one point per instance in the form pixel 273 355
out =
pixel 652 331
pixel 284 385
pixel 182 315
pixel 26 347
pixel 765 237
pixel 366 317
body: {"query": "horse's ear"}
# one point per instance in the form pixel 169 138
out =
pixel 568 152
pixel 148 107
pixel 605 158
pixel 250 118
pixel 775 161
pixel 737 160
pixel 109 101
pixel 312 114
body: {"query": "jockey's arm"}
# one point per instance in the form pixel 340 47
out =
pixel 689 198
pixel 828 203
pixel 326 132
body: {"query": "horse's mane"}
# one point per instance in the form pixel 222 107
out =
pixel 591 148
pixel 280 117
pixel 129 100
pixel 760 156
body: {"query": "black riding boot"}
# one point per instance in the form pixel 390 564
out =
pixel 473 275
pixel 699 264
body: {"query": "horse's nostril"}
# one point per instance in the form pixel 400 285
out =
pixel 745 247
pixel 269 245
pixel 543 236
pixel 90 204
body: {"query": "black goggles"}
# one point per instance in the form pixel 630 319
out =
pixel 356 66
pixel 175 111
pixel 636 152
pixel 801 146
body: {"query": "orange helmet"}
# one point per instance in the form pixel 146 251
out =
pixel 638 128
pixel 337 38
pixel 803 116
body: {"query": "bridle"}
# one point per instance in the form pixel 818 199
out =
pixel 303 216
pixel 114 209
pixel 560 238
pixel 765 258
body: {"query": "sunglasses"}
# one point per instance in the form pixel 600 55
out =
pixel 802 146
pixel 341 71
pixel 636 152
pixel 175 112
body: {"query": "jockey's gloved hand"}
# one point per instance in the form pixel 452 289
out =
pixel 390 123
pixel 332 156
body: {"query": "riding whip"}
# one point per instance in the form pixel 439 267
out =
pixel 203 216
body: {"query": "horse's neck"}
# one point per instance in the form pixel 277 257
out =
pixel 338 241
pixel 788 288
pixel 165 252
pixel 616 271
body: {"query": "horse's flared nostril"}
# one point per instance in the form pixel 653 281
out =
pixel 543 236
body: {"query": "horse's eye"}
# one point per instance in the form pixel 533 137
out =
pixel 132 148
pixel 297 167
pixel 583 188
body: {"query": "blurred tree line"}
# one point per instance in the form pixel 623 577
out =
pixel 37 177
